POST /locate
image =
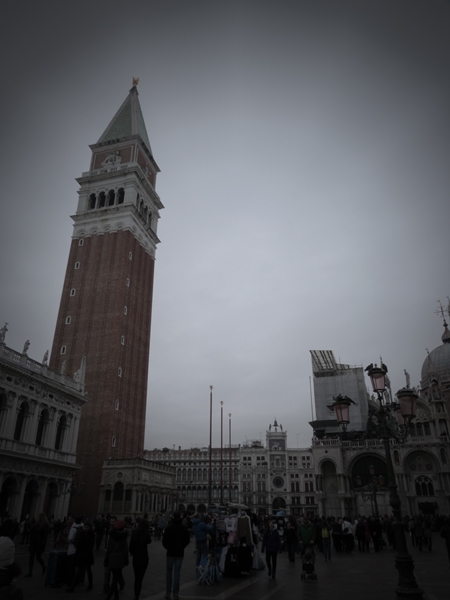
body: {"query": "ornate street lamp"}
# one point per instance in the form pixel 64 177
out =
pixel 382 424
pixel 341 407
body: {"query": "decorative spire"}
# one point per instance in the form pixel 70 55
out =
pixel 443 311
pixel 128 120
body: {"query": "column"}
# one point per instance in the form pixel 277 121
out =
pixel 50 438
pixel 11 416
pixel 40 496
pixel 30 426
pixel 19 502
pixel 321 506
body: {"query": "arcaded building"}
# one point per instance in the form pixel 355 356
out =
pixel 40 412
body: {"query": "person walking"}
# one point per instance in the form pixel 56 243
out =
pixel 138 548
pixel 427 533
pixel 38 540
pixel 175 539
pixel 307 533
pixel 271 544
pixel 200 530
pixel 85 552
pixel 72 553
pixel 445 533
pixel 325 535
pixel 116 557
pixel 291 539
pixel 418 532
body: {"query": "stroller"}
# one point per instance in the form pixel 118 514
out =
pixel 308 559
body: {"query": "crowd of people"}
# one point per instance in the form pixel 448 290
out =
pixel 79 541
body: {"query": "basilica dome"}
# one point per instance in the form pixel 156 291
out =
pixel 437 363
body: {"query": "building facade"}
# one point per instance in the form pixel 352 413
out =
pixel 351 477
pixel 136 486
pixel 192 475
pixel 274 477
pixel 264 478
pixel 106 302
pixel 40 411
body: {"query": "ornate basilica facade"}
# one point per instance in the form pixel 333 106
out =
pixel 351 476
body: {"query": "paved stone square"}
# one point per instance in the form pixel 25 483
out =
pixel 348 577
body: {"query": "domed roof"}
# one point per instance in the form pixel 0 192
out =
pixel 437 363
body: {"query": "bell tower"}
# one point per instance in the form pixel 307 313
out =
pixel 106 302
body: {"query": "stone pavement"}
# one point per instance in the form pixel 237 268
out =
pixel 348 577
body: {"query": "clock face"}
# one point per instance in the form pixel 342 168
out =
pixel 278 482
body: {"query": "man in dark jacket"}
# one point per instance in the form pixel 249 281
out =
pixel 175 539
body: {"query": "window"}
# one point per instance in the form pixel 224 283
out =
pixel 118 491
pixel 117 405
pixel 72 292
pixel 68 319
pixel 113 441
pixel 62 425
pixel 121 196
pixel 111 197
pixel 92 201
pixel 125 310
pixel 43 421
pixel 80 242
pixel 128 282
pixel 22 415
pixel 424 486
pixel 77 265
pixel 122 340
pixel 120 372
pixel 63 350
pixel 102 199
pixel 130 255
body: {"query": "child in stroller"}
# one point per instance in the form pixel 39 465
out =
pixel 308 571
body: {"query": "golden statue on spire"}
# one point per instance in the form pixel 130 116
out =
pixel 135 81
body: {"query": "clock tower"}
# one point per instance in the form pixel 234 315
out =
pixel 106 302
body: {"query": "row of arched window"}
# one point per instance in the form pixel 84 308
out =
pixel 203 474
pixel 103 199
pixel 42 428
pixel 295 486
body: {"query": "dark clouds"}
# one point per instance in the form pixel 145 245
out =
pixel 304 149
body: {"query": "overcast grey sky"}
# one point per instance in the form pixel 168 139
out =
pixel 304 155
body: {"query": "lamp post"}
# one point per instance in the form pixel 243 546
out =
pixel 382 424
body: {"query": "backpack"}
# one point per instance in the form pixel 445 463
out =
pixel 325 532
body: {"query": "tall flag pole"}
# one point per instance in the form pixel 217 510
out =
pixel 210 446
pixel 229 427
pixel 221 452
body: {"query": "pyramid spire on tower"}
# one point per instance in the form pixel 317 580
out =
pixel 128 121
